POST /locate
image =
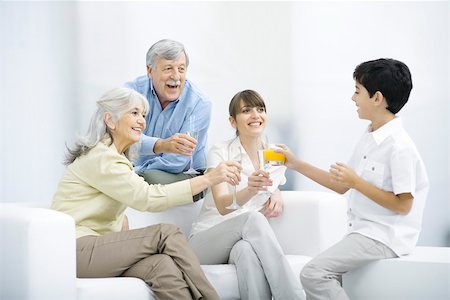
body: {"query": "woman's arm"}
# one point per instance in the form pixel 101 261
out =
pixel 223 197
pixel 225 172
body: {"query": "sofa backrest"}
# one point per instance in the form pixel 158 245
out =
pixel 183 216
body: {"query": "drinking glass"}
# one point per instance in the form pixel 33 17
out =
pixel 192 133
pixel 238 158
pixel 262 146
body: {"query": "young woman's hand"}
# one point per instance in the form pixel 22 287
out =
pixel 274 206
pixel 259 181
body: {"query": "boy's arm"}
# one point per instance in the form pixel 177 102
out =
pixel 401 203
pixel 316 174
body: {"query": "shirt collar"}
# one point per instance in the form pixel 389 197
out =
pixel 386 130
pixel 235 148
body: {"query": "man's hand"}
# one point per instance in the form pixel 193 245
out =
pixel 179 143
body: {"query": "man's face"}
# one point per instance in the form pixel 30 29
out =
pixel 168 78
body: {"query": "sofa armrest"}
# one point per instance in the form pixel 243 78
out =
pixel 311 221
pixel 38 254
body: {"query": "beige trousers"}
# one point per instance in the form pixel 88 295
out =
pixel 158 254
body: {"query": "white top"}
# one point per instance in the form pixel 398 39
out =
pixel 388 159
pixel 231 150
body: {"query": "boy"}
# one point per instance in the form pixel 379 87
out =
pixel 386 177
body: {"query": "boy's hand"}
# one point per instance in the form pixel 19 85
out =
pixel 344 175
pixel 291 159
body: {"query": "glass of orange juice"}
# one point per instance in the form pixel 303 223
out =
pixel 273 158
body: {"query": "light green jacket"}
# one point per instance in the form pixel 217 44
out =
pixel 97 187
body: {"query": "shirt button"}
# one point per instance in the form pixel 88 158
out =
pixel 349 224
pixel 373 168
pixel 364 157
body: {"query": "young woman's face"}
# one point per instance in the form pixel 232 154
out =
pixel 129 128
pixel 250 121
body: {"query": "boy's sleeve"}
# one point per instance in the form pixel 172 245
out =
pixel 403 171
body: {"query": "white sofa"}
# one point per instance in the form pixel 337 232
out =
pixel 37 255
pixel 37 259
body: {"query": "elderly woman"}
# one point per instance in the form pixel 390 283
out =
pixel 100 183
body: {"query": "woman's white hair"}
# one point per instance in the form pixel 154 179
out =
pixel 116 102
pixel 167 49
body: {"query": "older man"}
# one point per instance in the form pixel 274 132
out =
pixel 166 149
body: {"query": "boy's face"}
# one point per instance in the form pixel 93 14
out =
pixel 363 101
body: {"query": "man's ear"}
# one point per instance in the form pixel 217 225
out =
pixel 108 121
pixel 232 122
pixel 149 72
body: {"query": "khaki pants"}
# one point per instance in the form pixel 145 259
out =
pixel 158 254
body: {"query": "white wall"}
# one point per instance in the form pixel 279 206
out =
pixel 57 58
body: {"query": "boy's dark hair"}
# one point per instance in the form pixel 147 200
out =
pixel 389 76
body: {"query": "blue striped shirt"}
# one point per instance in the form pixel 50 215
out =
pixel 165 123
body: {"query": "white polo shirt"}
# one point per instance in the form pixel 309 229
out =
pixel 230 150
pixel 388 159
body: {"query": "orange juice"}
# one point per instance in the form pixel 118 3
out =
pixel 274 158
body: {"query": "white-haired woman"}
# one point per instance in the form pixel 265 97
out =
pixel 100 183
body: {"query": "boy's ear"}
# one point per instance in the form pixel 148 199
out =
pixel 232 122
pixel 108 121
pixel 379 98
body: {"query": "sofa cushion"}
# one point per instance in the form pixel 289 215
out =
pixel 118 288
pixel 222 277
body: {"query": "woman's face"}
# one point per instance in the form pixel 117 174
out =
pixel 128 128
pixel 249 121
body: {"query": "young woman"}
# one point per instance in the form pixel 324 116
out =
pixel 243 236
pixel 100 183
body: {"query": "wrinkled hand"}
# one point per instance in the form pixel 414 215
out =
pixel 179 143
pixel 291 158
pixel 227 171
pixel 274 206
pixel 342 174
pixel 259 181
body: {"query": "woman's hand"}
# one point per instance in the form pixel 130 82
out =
pixel 125 225
pixel 259 181
pixel 274 206
pixel 227 171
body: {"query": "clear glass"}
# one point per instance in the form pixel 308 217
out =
pixel 192 133
pixel 238 158
pixel 263 144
